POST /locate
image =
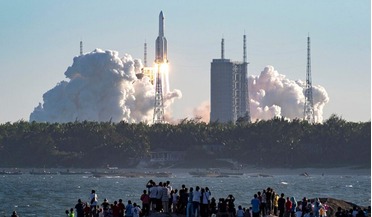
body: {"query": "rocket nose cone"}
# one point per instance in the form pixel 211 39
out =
pixel 161 14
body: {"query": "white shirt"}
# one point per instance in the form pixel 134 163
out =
pixel 136 211
pixel 93 196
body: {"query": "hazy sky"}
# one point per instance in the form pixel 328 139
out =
pixel 40 38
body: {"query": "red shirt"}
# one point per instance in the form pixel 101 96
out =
pixel 288 205
pixel 145 198
pixel 115 211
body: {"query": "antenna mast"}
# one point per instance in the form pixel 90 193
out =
pixel 309 106
pixel 145 55
pixel 244 49
pixel 223 49
pixel 81 48
pixel 247 115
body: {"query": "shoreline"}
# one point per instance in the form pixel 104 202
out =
pixel 278 171
pixel 250 171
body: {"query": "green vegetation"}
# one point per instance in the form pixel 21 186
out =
pixel 272 143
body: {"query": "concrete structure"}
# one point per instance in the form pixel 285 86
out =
pixel 229 89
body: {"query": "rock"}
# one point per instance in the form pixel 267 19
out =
pixel 333 204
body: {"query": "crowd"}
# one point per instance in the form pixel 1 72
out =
pixel 198 202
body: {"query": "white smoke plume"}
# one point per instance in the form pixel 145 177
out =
pixel 273 95
pixel 202 112
pixel 101 87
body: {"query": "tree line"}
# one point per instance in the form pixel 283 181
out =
pixel 266 143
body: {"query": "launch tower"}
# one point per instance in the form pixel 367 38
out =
pixel 160 64
pixel 309 106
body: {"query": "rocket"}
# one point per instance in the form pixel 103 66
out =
pixel 161 43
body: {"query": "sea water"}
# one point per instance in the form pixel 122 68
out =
pixel 51 195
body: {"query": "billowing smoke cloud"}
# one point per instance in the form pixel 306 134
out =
pixel 202 112
pixel 273 95
pixel 102 87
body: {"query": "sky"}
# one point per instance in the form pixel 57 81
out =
pixel 39 40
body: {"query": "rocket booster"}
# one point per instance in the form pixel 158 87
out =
pixel 161 43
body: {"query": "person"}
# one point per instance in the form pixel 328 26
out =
pixel 86 210
pixel 121 207
pixel 255 202
pixel 196 201
pixel 93 198
pixel 183 199
pixel 339 212
pixel 105 206
pixel 298 212
pixel 213 206
pixel 240 212
pixel 165 198
pixel 153 192
pixel 99 213
pixel 115 209
pixel 317 206
pixel 66 212
pixel 288 207
pixel 79 209
pixel 159 203
pixel 354 211
pixel 189 207
pixel 304 206
pixel 169 186
pixel 149 185
pixel 207 191
pixel 269 200
pixel 275 203
pixel 204 203
pixel 323 211
pixel 248 212
pixel 294 206
pixel 145 198
pixel 222 208
pixel 16 215
pixel 360 213
pixel 230 205
pixel 175 198
pixel 128 209
pixel 136 210
pixel 72 214
pixel 263 202
pixel 281 205
pixel 170 199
